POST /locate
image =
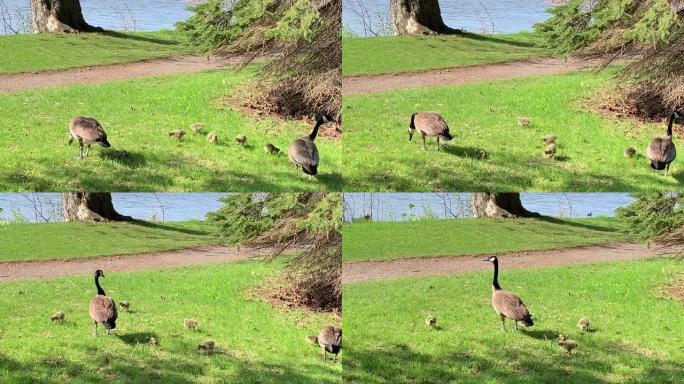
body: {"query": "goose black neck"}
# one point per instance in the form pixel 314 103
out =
pixel 100 291
pixel 670 123
pixel 495 282
pixel 314 133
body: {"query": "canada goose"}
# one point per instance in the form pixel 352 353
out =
pixel 550 151
pixel 549 139
pixel 87 130
pixel 583 324
pixel 197 127
pixel 206 345
pixel 125 305
pixel 507 304
pixel 330 340
pixel 57 316
pixel 271 149
pixel 431 321
pixel 190 324
pixel 241 139
pixel 429 124
pixel 177 134
pixel 630 152
pixel 524 121
pixel 212 138
pixel 661 152
pixel 102 308
pixel 303 152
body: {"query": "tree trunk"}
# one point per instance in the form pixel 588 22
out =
pixel 493 205
pixel 59 16
pixel 418 17
pixel 90 207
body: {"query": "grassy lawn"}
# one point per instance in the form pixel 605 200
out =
pixel 392 54
pixel 81 240
pixel 33 53
pixel 483 119
pixel 137 116
pixel 632 340
pixel 260 344
pixel 398 240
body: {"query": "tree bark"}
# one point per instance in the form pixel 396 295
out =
pixel 59 16
pixel 418 17
pixel 498 205
pixel 90 207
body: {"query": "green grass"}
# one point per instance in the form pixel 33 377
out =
pixel 483 119
pixel 137 116
pixel 33 53
pixel 398 240
pixel 64 241
pixel 263 344
pixel 392 54
pixel 634 338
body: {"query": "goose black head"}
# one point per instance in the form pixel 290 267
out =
pixel 99 273
pixel 322 119
pixel 492 259
pixel 412 126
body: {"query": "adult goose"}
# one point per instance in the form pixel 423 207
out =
pixel 429 124
pixel 86 131
pixel 330 340
pixel 303 152
pixel 102 308
pixel 661 152
pixel 507 304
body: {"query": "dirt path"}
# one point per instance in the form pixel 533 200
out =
pixel 378 270
pixel 111 72
pixel 510 70
pixel 213 254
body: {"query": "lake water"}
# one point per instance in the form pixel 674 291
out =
pixel 407 206
pixel 498 16
pixel 130 15
pixel 144 206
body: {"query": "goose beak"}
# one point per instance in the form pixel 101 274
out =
pixel 410 135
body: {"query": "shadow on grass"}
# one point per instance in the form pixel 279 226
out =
pixel 400 363
pixel 158 225
pixel 593 227
pixel 137 338
pixel 493 39
pixel 148 39
pixel 182 368
pixel 129 159
pixel 467 152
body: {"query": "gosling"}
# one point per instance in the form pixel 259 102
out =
pixel 177 134
pixel 57 316
pixel 207 345
pixel 271 149
pixel 125 305
pixel 567 344
pixel 190 324
pixel 583 324
pixel 212 137
pixel 549 139
pixel 524 121
pixel 241 139
pixel 630 152
pixel 431 321
pixel 197 127
pixel 550 151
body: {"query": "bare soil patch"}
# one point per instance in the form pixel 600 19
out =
pixel 213 254
pixel 112 72
pixel 378 270
pixel 453 76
